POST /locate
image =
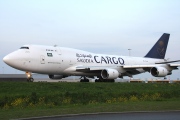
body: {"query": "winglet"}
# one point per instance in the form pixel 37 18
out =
pixel 159 49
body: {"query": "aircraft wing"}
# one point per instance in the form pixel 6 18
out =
pixel 88 68
pixel 174 65
pixel 99 68
pixel 153 65
pixel 146 66
pixel 92 68
pixel 168 62
pixel 134 68
pixel 129 70
pixel 96 68
pixel 138 66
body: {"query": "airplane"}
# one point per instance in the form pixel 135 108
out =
pixel 61 62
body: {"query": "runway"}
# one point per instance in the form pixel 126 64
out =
pixel 45 78
pixel 167 115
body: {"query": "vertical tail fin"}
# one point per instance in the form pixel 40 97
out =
pixel 159 49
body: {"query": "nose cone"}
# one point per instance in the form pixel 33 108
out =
pixel 11 59
pixel 6 59
pixel 16 60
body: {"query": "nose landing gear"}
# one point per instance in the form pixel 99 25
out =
pixel 29 77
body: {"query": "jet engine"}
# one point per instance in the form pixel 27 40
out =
pixel 57 76
pixel 109 74
pixel 159 71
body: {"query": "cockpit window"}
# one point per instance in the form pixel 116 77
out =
pixel 24 48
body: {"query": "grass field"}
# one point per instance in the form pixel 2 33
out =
pixel 21 99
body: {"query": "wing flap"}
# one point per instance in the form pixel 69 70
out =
pixel 89 68
pixel 138 66
pixel 174 65
pixel 93 68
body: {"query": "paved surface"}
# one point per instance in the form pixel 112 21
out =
pixel 171 115
pixel 45 78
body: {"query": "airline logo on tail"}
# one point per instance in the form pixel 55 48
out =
pixel 161 49
pixel 158 51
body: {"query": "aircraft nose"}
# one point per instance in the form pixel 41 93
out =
pixel 14 59
pixel 10 59
pixel 6 59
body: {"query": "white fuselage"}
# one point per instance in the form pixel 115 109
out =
pixel 63 61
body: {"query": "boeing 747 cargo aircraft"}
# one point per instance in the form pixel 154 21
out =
pixel 61 62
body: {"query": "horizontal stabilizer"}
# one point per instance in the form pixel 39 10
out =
pixel 168 62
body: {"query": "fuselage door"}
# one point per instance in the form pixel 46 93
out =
pixel 59 57
pixel 42 59
pixel 59 51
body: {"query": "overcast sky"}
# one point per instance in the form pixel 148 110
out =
pixel 101 26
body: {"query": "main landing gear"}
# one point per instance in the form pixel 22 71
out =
pixel 97 79
pixel 84 79
pixel 29 77
pixel 104 80
pixel 100 79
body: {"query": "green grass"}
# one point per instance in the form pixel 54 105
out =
pixel 21 99
pixel 90 108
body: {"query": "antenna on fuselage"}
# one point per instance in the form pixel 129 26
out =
pixel 129 51
pixel 167 59
pixel 55 45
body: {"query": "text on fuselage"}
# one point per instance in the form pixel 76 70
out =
pixel 108 60
pixel 83 58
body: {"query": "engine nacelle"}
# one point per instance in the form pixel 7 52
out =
pixel 109 74
pixel 56 76
pixel 159 71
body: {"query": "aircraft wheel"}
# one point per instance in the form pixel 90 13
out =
pixel 28 80
pixel 82 80
pixel 31 80
pixel 101 80
pixel 112 80
pixel 96 80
